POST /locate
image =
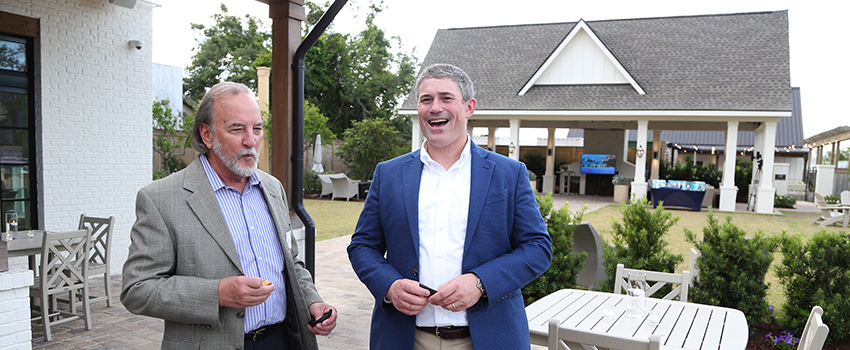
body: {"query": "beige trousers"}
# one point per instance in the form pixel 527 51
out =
pixel 427 341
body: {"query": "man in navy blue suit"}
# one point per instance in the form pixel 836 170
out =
pixel 455 218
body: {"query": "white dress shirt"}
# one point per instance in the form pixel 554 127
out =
pixel 443 211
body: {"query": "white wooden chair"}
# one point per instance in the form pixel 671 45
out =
pixel 845 197
pixel 344 187
pixel 101 252
pixel 828 215
pixel 61 272
pixel 814 335
pixel 571 339
pixel 660 278
pixel 327 185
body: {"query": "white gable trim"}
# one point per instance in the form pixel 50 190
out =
pixel 581 26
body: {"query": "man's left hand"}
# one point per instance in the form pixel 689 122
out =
pixel 324 328
pixel 458 294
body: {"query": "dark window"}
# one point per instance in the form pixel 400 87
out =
pixel 17 131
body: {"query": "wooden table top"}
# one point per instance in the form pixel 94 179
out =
pixel 21 245
pixel 682 326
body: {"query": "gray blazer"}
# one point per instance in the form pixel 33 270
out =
pixel 181 248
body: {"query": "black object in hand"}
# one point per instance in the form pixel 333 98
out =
pixel 430 290
pixel 324 317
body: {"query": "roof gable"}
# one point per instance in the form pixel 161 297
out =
pixel 581 59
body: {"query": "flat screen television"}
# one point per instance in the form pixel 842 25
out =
pixel 598 164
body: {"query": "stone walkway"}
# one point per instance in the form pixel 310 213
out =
pixel 116 328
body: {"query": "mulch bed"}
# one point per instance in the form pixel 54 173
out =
pixel 759 342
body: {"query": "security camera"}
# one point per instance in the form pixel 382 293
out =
pixel 138 44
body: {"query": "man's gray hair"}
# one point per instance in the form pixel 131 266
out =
pixel 206 110
pixel 442 70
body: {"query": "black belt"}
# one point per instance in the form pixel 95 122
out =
pixel 447 333
pixel 260 333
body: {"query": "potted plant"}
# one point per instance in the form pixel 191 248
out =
pixel 621 188
pixel 532 178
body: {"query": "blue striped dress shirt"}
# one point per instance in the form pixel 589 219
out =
pixel 255 236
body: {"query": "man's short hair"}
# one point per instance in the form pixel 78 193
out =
pixel 206 110
pixel 442 70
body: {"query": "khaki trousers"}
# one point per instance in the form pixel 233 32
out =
pixel 427 341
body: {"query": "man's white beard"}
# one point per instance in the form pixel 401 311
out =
pixel 233 163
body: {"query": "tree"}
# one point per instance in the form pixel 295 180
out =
pixel 314 122
pixel 171 138
pixel 367 143
pixel 228 52
pixel 353 78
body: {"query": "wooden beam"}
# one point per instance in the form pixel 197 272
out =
pixel 19 25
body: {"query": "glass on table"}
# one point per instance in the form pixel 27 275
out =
pixel 636 291
pixel 11 225
pixel 654 318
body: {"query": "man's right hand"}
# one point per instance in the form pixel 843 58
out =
pixel 242 291
pixel 407 296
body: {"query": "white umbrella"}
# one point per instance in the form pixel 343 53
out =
pixel 317 155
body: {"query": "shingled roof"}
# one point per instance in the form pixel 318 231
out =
pixel 727 62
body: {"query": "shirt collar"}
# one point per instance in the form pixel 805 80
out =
pixel 215 180
pixel 465 154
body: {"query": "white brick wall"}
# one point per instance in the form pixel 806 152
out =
pixel 93 110
pixel 15 331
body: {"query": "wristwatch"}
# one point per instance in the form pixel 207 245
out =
pixel 481 287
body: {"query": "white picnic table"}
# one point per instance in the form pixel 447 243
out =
pixel 683 325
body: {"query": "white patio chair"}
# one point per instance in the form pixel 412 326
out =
pixel 566 339
pixel 660 278
pixel 327 185
pixel 344 187
pixel 61 272
pixel 828 215
pixel 101 252
pixel 845 197
pixel 814 335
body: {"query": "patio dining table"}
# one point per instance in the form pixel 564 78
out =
pixel 22 245
pixel 682 325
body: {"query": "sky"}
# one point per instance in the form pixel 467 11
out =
pixel 818 66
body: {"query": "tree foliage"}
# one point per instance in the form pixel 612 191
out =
pixel 566 265
pixel 228 52
pixel 171 137
pixel 367 143
pixel 639 241
pixel 357 77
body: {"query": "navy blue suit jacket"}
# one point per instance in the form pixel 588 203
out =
pixel 507 246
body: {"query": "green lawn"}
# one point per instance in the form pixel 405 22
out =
pixel 338 218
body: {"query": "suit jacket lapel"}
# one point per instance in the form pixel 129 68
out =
pixel 482 172
pixel 203 203
pixel 411 177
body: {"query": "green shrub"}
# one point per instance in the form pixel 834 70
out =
pixel 743 178
pixel 688 171
pixel 732 269
pixel 832 199
pixel 784 201
pixel 817 273
pixel 639 242
pixel 563 271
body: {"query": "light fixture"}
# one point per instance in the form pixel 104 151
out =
pixel 511 148
pixel 639 151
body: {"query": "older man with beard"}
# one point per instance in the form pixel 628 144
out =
pixel 212 251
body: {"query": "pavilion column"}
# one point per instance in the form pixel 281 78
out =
pixel 286 37
pixel 491 138
pixel 656 154
pixel 416 134
pixel 515 125
pixel 766 191
pixel 728 191
pixel 639 186
pixel 549 177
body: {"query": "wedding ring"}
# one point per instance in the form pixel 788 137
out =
pixel 453 306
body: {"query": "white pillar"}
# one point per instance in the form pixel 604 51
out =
pixel 639 186
pixel 491 138
pixel 824 179
pixel 263 74
pixel 515 125
pixel 766 191
pixel 416 134
pixel 549 177
pixel 728 191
